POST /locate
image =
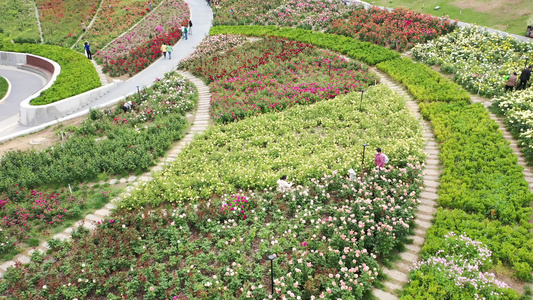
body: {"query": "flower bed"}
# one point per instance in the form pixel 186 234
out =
pixel 362 51
pixel 302 142
pixel 138 48
pixel 478 59
pixel 114 18
pixel 517 108
pixel 61 20
pixel 327 239
pixel 239 12
pixel 308 14
pixel 460 264
pixel 77 75
pixel 112 141
pixel 273 74
pixel 399 29
pixel 19 22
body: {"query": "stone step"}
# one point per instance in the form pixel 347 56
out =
pixel 103 212
pixel 423 224
pixel 23 259
pixel 392 287
pixel 382 295
pixel 7 265
pixel 424 217
pixel 428 209
pixel 409 257
pixel 396 276
pixel 413 248
pixel 429 196
pixel 93 218
pixel 62 237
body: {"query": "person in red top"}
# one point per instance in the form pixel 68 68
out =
pixel 381 159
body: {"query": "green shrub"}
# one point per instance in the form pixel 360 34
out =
pixel 77 76
pixel 425 84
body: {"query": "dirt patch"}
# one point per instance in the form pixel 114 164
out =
pixel 488 6
pixel 39 140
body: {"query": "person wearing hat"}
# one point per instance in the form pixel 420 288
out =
pixel 381 159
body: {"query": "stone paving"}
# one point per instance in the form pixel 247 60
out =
pixel 428 201
pixel 90 221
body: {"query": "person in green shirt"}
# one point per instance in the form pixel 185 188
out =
pixel 169 50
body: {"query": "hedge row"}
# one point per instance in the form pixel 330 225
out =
pixel 77 76
pixel 363 51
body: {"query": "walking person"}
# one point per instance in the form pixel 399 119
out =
pixel 88 50
pixel 184 31
pixel 169 50
pixel 209 3
pixel 190 27
pixel 524 78
pixel 511 82
pixel 381 159
pixel 164 50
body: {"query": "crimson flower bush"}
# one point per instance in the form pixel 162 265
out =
pixel 399 29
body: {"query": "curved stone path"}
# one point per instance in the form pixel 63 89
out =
pixel 200 123
pixel 398 275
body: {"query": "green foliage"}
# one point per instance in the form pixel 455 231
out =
pixel 77 75
pixel 4 86
pixel 303 142
pixel 425 84
pixel 510 244
pixel 362 51
pixel 480 173
pixel 112 141
pixel 19 22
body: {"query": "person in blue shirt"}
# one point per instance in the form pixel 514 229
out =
pixel 88 50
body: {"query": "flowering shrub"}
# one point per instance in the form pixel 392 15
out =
pixel 238 12
pixel 308 14
pixel 274 74
pixel 478 59
pixel 135 50
pixel 327 238
pixel 399 29
pixel 300 142
pixel 457 269
pixel 104 144
pixel 517 109
pixel 114 18
pixel 61 21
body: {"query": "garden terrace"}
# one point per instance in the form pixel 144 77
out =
pixel 114 18
pixel 272 74
pixel 61 20
pixel 135 50
pixel 303 142
pixel 328 237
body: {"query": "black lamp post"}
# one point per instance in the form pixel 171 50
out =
pixel 361 105
pixel 271 257
pixel 138 94
pixel 363 161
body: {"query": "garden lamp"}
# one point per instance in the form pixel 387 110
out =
pixel 361 104
pixel 363 161
pixel 271 257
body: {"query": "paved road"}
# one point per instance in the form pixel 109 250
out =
pixel 201 16
pixel 23 84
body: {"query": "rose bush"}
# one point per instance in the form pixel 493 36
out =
pixel 479 60
pixel 273 74
pixel 302 142
pixel 399 29
pixel 327 238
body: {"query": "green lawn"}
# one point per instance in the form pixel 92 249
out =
pixel 509 16
pixel 19 21
pixel 3 87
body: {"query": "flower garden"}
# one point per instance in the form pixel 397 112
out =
pixel 61 21
pixel 204 227
pixel 138 48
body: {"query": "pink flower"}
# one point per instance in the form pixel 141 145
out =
pixel 152 288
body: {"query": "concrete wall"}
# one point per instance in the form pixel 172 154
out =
pixel 38 114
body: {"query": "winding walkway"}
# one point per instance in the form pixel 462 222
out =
pixel 200 123
pixel 398 275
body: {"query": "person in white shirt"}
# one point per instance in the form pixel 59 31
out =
pixel 283 185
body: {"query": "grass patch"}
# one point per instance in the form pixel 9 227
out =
pixel 4 86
